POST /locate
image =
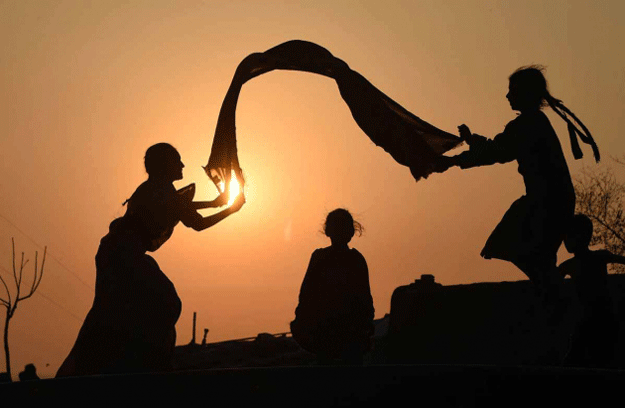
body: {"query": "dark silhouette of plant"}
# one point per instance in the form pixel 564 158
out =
pixel 601 196
pixel 12 301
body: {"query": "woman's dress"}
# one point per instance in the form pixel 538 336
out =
pixel 533 227
pixel 131 325
pixel 335 311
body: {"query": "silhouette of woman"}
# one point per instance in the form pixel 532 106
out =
pixel 532 230
pixel 131 325
pixel 334 317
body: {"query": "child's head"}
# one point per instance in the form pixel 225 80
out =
pixel 528 88
pixel 340 226
pixel 579 233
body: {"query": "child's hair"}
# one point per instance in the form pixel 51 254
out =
pixel 341 225
pixel 534 84
pixel 581 228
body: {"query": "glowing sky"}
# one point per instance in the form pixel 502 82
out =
pixel 87 87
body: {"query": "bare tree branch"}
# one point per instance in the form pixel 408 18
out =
pixel 601 196
pixel 606 226
pixel 7 302
pixel 13 248
pixel 22 266
pixel 11 303
pixel 35 276
pixel 43 262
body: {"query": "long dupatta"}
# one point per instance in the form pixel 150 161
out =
pixel 410 140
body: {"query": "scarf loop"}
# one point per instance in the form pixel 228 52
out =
pixel 411 141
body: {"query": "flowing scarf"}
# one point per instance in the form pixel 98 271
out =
pixel 411 141
pixel 574 132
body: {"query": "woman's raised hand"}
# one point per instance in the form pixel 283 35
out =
pixel 221 200
pixel 238 202
pixel 468 137
pixel 465 133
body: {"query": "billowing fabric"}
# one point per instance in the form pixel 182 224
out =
pixel 411 141
pixel 534 226
pixel 335 310
pixel 131 324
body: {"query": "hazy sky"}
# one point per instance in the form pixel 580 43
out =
pixel 87 87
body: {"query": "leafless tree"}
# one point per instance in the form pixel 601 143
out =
pixel 601 196
pixel 12 301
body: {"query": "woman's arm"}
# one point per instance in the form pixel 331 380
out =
pixel 307 290
pixel 503 148
pixel 220 201
pixel 193 219
pixel 187 193
pixel 363 288
pixel 609 257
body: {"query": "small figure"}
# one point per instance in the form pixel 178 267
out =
pixel 29 373
pixel 594 340
pixel 334 317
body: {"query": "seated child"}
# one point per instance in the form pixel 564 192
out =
pixel 594 340
pixel 334 317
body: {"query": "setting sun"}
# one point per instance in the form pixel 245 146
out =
pixel 87 90
pixel 234 189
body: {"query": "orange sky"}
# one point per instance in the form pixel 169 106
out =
pixel 87 87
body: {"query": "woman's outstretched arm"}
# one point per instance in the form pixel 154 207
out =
pixel 187 193
pixel 503 148
pixel 220 201
pixel 192 219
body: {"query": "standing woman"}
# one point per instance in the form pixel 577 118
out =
pixel 532 230
pixel 131 325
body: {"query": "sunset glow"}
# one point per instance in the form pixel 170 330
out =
pixel 88 89
pixel 233 190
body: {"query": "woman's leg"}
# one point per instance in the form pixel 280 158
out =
pixel 547 281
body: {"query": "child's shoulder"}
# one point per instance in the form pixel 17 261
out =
pixel 330 251
pixel 569 265
pixel 318 252
pixel 600 255
pixel 355 252
pixel 594 257
pixel 357 255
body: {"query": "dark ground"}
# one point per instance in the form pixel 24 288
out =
pixel 323 386
pixel 485 344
